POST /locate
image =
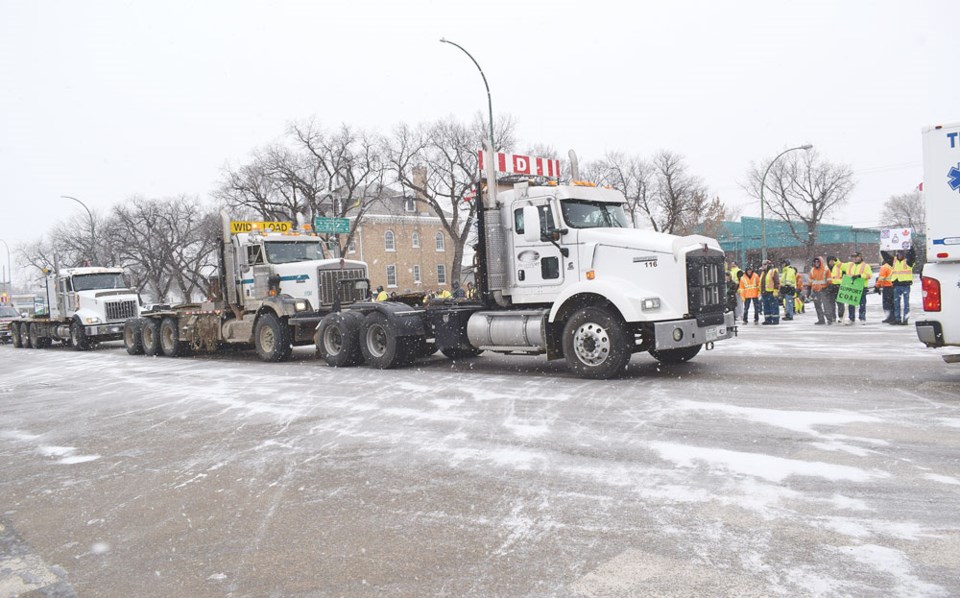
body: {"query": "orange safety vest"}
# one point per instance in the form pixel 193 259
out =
pixel 819 278
pixel 885 276
pixel 749 286
pixel 901 271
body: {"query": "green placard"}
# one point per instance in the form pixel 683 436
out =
pixel 331 225
pixel 851 289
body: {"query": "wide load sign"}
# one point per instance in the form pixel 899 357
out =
pixel 237 226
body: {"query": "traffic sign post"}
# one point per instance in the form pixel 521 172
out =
pixel 331 225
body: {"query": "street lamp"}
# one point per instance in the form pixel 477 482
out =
pixel 93 237
pixel 9 269
pixel 489 99
pixel 763 182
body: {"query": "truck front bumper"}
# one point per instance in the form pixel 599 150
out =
pixel 677 334
pixel 113 330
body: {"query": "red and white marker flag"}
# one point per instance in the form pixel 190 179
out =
pixel 517 164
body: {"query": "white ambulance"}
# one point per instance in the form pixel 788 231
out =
pixel 940 324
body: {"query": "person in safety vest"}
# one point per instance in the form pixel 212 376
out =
pixel 819 286
pixel 770 291
pixel 749 290
pixel 381 294
pixel 788 288
pixel 884 286
pixel 837 270
pixel 735 274
pixel 857 269
pixel 902 277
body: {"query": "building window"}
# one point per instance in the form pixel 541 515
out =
pixel 416 275
pixel 392 276
pixel 440 243
pixel 416 240
pixel 409 205
pixel 441 274
pixel 352 247
pixel 390 241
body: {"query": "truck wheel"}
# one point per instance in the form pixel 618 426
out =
pixel 35 341
pixel 672 356
pixel 271 337
pixel 132 339
pixel 78 337
pixel 25 335
pixel 381 346
pixel 595 343
pixel 150 335
pixel 338 339
pixel 170 343
pixel 15 335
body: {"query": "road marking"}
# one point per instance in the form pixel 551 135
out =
pixel 23 572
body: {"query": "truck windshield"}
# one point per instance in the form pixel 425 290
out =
pixel 89 282
pixel 286 252
pixel 579 213
pixel 8 312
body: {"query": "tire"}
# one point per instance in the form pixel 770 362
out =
pixel 170 344
pixel 150 336
pixel 25 335
pixel 15 335
pixel 381 346
pixel 595 343
pixel 458 353
pixel 271 337
pixel 674 356
pixel 132 338
pixel 338 339
pixel 35 340
pixel 78 337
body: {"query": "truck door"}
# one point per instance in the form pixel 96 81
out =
pixel 537 264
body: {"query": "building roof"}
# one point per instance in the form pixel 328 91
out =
pixel 747 235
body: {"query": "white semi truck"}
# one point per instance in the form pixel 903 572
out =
pixel 273 286
pixel 560 272
pixel 940 325
pixel 85 306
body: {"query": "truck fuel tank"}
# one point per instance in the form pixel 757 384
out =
pixel 509 331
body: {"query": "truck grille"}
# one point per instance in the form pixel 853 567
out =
pixel 706 286
pixel 121 310
pixel 331 289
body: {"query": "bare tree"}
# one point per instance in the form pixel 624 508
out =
pixel 905 210
pixel 801 189
pixel 439 164
pixel 633 177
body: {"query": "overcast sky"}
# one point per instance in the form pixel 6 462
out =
pixel 104 100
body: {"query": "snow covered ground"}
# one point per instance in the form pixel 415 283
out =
pixel 796 460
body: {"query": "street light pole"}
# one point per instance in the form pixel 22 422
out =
pixel 763 182
pixel 493 146
pixel 93 236
pixel 9 268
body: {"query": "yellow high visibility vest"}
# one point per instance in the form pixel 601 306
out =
pixel 901 271
pixel 788 277
pixel 836 273
pixel 768 282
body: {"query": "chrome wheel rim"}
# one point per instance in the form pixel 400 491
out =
pixel 333 340
pixel 591 343
pixel 377 340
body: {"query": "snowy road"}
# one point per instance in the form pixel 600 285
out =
pixel 795 460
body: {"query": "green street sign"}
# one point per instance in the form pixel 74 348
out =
pixel 331 225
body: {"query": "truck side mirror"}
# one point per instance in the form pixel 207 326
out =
pixel 531 224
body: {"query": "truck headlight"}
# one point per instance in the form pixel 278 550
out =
pixel 91 320
pixel 677 334
pixel 300 305
pixel 650 303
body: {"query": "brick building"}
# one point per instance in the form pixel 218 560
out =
pixel 406 248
